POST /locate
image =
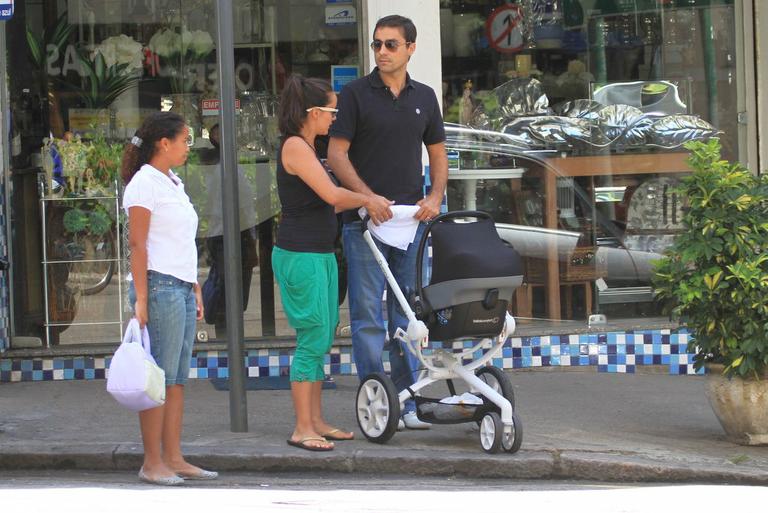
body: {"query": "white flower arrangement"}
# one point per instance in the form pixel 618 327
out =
pixel 121 49
pixel 199 42
pixel 180 49
pixel 193 45
pixel 165 43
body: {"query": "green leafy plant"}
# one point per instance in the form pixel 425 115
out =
pixel 103 158
pixel 714 278
pixel 75 220
pixel 99 222
pixel 94 221
pixel 104 83
pixel 58 37
pixel 41 47
pixel 108 70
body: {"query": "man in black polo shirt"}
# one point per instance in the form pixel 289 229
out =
pixel 375 148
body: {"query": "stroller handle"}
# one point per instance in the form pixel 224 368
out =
pixel 364 224
pixel 479 214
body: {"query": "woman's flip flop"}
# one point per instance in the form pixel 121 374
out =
pixel 332 435
pixel 302 444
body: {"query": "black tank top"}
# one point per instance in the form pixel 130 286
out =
pixel 308 223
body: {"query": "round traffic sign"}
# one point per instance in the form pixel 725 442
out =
pixel 504 28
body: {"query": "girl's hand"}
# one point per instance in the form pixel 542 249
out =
pixel 140 309
pixel 199 301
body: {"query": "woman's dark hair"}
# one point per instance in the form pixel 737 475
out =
pixel 397 21
pixel 155 126
pixel 298 95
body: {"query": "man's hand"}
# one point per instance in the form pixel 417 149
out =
pixel 430 207
pixel 378 208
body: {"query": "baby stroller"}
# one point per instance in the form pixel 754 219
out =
pixel 474 276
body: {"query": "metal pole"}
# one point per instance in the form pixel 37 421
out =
pixel 238 409
pixel 5 178
pixel 710 65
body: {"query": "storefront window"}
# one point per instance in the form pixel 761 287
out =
pixel 566 120
pixel 82 75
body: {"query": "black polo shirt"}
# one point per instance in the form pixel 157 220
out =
pixel 385 134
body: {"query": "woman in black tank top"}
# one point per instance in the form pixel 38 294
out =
pixel 303 260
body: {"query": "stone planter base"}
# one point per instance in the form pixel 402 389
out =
pixel 741 406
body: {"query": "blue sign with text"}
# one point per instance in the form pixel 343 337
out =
pixel 340 75
pixel 6 9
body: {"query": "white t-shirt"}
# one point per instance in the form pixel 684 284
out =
pixel 171 247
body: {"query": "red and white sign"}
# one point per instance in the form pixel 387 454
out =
pixel 504 28
pixel 211 107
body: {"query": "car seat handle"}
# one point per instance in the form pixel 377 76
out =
pixel 478 214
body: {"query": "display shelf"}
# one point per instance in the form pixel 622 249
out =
pixel 95 274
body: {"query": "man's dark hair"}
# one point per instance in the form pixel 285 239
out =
pixel 401 22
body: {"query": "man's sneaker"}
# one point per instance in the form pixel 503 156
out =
pixel 400 424
pixel 411 421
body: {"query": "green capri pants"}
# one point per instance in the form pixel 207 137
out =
pixel 309 288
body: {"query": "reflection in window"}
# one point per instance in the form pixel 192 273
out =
pixel 84 73
pixel 590 102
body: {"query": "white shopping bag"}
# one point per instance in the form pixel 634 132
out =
pixel 135 380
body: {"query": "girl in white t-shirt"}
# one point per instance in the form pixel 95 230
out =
pixel 164 290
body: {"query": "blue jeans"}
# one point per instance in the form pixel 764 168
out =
pixel 172 310
pixel 366 282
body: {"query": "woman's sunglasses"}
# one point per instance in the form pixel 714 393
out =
pixel 324 109
pixel 389 44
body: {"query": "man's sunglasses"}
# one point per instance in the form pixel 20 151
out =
pixel 324 109
pixel 391 44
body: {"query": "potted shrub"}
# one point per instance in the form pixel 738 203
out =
pixel 714 279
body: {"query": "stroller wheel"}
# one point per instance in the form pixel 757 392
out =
pixel 498 381
pixel 491 432
pixel 511 441
pixel 378 407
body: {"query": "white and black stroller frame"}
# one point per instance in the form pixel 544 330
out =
pixel 474 274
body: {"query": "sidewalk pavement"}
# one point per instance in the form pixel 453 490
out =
pixel 578 424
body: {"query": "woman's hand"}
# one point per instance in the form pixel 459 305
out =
pixel 378 208
pixel 140 312
pixel 199 301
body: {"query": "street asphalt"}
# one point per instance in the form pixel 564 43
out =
pixel 578 424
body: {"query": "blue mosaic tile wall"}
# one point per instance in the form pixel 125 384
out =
pixel 614 352
pixel 4 295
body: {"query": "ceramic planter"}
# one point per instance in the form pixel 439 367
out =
pixel 741 406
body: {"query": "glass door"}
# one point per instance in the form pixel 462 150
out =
pixel 81 77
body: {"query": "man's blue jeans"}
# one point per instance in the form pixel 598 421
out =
pixel 366 282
